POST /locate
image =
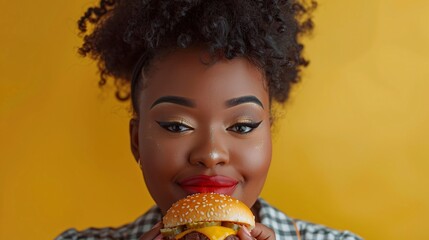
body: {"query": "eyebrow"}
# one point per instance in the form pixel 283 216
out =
pixel 174 99
pixel 245 99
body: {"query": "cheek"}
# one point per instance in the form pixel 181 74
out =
pixel 161 158
pixel 254 158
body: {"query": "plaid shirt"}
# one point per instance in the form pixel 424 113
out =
pixel 283 226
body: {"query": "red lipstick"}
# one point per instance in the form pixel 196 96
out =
pixel 204 183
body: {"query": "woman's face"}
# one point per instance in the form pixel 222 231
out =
pixel 202 128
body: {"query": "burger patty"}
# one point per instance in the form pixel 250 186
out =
pixel 200 236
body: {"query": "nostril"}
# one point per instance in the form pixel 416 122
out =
pixel 200 163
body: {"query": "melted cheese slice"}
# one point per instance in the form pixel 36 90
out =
pixel 213 232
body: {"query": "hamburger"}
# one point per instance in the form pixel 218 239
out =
pixel 206 216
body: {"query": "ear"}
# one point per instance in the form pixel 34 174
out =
pixel 134 138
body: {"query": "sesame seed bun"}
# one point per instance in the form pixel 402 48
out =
pixel 208 207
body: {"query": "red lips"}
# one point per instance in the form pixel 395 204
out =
pixel 204 183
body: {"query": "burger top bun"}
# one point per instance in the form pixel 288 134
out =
pixel 208 207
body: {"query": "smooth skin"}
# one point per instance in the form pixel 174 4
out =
pixel 198 119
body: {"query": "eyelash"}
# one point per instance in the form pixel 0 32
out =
pixel 172 126
pixel 250 126
pixel 179 127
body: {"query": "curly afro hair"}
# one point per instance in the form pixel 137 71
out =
pixel 266 32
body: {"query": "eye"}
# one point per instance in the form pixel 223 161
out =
pixel 175 127
pixel 243 128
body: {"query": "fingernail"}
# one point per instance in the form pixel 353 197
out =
pixel 246 230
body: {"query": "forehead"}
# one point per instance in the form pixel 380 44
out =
pixel 184 73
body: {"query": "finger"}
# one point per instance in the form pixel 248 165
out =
pixel 153 233
pixel 262 232
pixel 159 237
pixel 244 234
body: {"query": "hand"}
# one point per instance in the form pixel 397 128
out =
pixel 260 232
pixel 154 233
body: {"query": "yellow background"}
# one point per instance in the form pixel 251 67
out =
pixel 351 150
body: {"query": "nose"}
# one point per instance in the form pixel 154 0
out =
pixel 209 151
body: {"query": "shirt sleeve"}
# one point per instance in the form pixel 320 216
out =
pixel 310 231
pixel 96 234
pixel 130 231
pixel 68 234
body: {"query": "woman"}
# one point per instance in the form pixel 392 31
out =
pixel 201 76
